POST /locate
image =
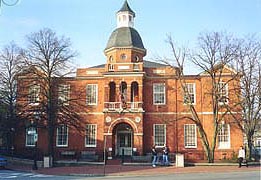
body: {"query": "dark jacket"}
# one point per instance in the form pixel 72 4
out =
pixel 166 150
pixel 154 152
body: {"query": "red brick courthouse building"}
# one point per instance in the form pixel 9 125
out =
pixel 132 104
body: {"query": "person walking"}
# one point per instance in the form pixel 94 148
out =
pixel 165 155
pixel 241 157
pixel 154 156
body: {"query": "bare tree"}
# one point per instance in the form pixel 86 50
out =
pixel 48 58
pixel 215 52
pixel 10 62
pixel 248 62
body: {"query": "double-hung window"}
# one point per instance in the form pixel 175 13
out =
pixel 222 93
pixel 223 136
pixel 190 93
pixel 91 134
pixel 34 94
pixel 159 94
pixel 63 94
pixel 92 94
pixel 62 136
pixel 190 135
pixel 159 132
pixel 30 136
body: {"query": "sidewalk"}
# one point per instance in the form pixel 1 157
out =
pixel 129 170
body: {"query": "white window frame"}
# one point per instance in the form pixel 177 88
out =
pixel 223 91
pixel 111 67
pixel 94 96
pixel 188 88
pixel 157 142
pixel 188 128
pixel 64 94
pixel 63 135
pixel 30 136
pixel 221 136
pixel 95 135
pixel 34 94
pixel 159 93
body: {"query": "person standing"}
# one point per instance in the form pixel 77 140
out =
pixel 241 156
pixel 165 155
pixel 154 156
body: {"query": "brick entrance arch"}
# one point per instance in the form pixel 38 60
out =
pixel 122 120
pixel 116 136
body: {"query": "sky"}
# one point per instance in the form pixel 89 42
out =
pixel 89 23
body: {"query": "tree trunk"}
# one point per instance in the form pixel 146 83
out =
pixel 250 145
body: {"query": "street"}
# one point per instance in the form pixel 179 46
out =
pixel 250 175
pixel 9 174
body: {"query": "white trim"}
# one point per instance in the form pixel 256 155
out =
pixel 124 75
pixel 225 145
pixel 91 145
pixel 195 129
pixel 63 97
pixel 96 95
pixel 165 133
pixel 164 101
pixel 186 113
pixel 138 134
pixel 67 131
pixel 107 134
pixel 26 137
pixel 194 93
pixel 225 84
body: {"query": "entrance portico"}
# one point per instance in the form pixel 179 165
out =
pixel 124 136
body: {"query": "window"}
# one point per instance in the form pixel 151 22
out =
pixel 130 18
pixel 123 56
pixel 137 58
pixel 159 131
pixel 34 94
pixel 92 94
pixel 222 93
pixel 190 136
pixel 124 17
pixel 31 136
pixel 63 94
pixel 110 59
pixel 90 138
pixel 111 67
pixel 62 136
pixel 159 94
pixel 224 136
pixel 190 94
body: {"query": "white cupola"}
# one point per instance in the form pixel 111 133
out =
pixel 125 16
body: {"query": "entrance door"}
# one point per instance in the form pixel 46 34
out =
pixel 124 143
pixel 123 139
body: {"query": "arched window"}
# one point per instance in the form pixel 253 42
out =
pixel 130 18
pixel 134 92
pixel 123 56
pixel 124 18
pixel 112 92
pixel 123 94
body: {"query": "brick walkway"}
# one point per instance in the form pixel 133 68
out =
pixel 128 170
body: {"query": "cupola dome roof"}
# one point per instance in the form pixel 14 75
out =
pixel 125 37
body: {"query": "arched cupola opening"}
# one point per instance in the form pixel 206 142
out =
pixel 112 93
pixel 134 92
pixel 123 92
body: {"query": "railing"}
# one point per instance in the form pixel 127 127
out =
pixel 119 106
